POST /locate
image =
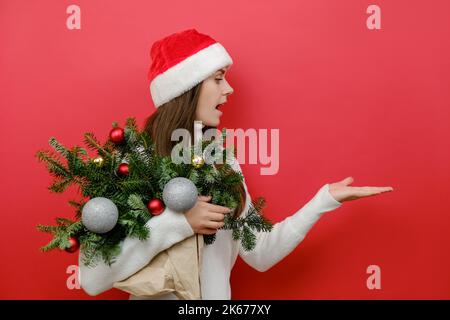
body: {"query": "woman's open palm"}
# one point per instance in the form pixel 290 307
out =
pixel 342 191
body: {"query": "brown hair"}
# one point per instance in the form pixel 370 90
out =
pixel 179 113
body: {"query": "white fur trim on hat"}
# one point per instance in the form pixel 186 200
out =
pixel 188 73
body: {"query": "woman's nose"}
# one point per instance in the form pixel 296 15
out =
pixel 229 90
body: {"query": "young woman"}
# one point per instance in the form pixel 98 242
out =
pixel 188 83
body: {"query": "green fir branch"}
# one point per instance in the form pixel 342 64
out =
pixel 149 173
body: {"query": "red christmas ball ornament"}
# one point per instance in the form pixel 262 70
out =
pixel 155 206
pixel 74 245
pixel 123 169
pixel 117 135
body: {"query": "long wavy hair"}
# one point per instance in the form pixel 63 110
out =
pixel 180 113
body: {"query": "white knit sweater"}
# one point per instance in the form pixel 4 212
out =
pixel 218 258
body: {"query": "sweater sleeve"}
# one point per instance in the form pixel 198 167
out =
pixel 272 247
pixel 165 230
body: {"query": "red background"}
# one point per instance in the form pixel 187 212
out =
pixel 372 104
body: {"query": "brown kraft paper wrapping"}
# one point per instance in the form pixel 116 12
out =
pixel 175 270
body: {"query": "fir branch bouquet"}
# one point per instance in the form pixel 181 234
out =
pixel 128 172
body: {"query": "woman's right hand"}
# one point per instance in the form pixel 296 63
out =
pixel 206 218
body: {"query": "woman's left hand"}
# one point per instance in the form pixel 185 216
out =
pixel 342 191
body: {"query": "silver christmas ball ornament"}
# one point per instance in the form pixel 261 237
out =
pixel 180 194
pixel 99 215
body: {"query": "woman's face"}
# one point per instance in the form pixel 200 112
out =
pixel 213 92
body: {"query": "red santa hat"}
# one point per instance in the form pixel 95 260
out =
pixel 182 60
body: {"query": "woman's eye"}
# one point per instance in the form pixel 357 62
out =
pixel 219 79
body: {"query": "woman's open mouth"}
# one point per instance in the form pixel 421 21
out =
pixel 217 108
pixel 220 105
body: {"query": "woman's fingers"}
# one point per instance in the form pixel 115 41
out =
pixel 204 198
pixel 214 225
pixel 347 181
pixel 213 207
pixel 215 216
pixel 342 191
pixel 218 209
pixel 371 191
